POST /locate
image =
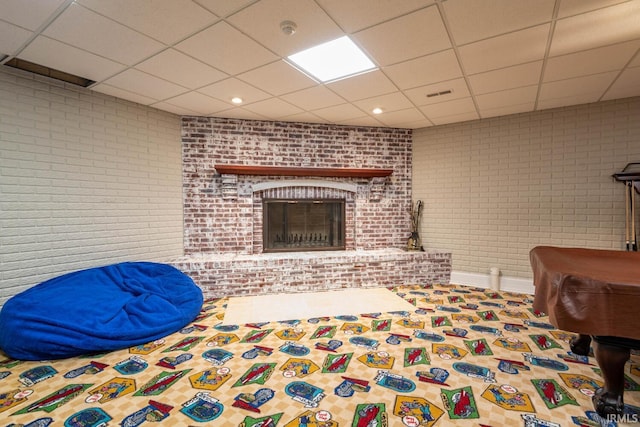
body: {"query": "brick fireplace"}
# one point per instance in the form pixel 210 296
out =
pixel 231 167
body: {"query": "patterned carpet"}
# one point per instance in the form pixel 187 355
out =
pixel 463 356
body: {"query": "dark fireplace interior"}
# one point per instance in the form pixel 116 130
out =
pixel 303 225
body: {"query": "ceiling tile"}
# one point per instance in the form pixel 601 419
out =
pixel 390 102
pixel 424 123
pixel 473 20
pixel 241 113
pixel 224 7
pixel 602 27
pixel 80 27
pixel 595 84
pixel 449 108
pixel 506 110
pixel 168 21
pixel 340 113
pixel 582 98
pixel 227 89
pixel 455 118
pixel 12 38
pixel 225 56
pixel 145 84
pixel 180 69
pixel 277 78
pixel 199 103
pixel 416 34
pixel 313 98
pixel 626 85
pixel 59 56
pixel 28 14
pixel 574 7
pixel 305 117
pixel 123 94
pixel 363 86
pixel 165 106
pixel 401 117
pixel 591 61
pixel 504 51
pixel 360 121
pixel 262 21
pixel 505 98
pixel 354 15
pixel 506 78
pixel 273 107
pixel 458 88
pixel 426 70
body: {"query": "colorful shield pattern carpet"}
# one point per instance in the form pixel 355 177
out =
pixel 462 356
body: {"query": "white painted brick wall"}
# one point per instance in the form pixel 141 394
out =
pixel 495 188
pixel 85 180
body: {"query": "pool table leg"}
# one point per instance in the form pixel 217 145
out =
pixel 580 345
pixel 611 360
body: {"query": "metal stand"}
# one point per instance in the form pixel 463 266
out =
pixel 630 176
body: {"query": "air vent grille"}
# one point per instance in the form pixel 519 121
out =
pixel 444 92
pixel 49 72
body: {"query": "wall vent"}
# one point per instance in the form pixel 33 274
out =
pixel 41 70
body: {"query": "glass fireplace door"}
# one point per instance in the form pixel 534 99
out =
pixel 303 225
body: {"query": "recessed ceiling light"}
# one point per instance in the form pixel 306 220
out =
pixel 333 60
pixel 377 110
pixel 236 100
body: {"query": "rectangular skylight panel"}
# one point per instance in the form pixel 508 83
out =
pixel 333 60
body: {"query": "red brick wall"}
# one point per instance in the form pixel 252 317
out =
pixel 222 217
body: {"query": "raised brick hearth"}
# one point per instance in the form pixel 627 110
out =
pixel 225 274
pixel 223 209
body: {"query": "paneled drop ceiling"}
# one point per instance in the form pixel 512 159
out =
pixel 439 61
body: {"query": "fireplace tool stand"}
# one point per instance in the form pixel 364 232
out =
pixel 415 243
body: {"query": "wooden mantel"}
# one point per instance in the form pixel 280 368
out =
pixel 295 171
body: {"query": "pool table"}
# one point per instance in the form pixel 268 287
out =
pixel 595 293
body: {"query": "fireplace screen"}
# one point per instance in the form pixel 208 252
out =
pixel 303 225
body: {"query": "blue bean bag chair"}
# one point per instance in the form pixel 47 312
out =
pixel 98 309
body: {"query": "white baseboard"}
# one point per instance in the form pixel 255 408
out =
pixel 509 284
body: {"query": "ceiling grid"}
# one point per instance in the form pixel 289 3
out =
pixel 483 58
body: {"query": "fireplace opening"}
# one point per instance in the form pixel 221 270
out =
pixel 303 225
